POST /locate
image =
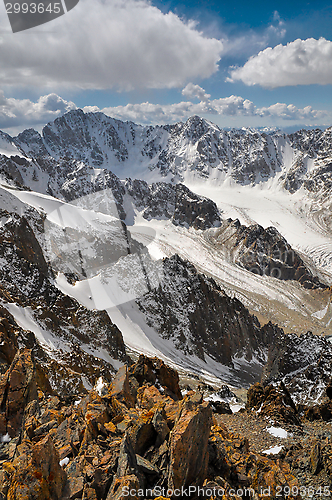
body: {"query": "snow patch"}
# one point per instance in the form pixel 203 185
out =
pixel 5 438
pixel 278 432
pixel 64 461
pixel 100 386
pixel 273 451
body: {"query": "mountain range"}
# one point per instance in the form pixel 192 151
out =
pixel 201 246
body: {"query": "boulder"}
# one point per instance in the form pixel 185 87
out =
pixel 17 389
pixel 274 402
pixel 36 472
pixel 189 446
pixel 316 458
pixel 120 388
pixel 154 371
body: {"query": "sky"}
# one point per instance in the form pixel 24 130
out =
pixel 237 64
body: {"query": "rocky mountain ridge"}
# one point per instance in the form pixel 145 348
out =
pixel 196 147
pixel 71 161
pixel 263 252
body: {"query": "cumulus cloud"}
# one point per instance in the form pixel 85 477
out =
pixel 195 91
pixel 23 113
pixel 302 62
pixel 15 112
pixel 148 113
pixel 291 112
pixel 103 44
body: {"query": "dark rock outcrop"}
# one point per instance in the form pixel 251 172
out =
pixel 174 202
pixel 201 319
pixel 264 252
pixel 273 402
pixel 155 371
pixel 303 363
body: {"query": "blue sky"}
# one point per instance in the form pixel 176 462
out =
pixel 235 63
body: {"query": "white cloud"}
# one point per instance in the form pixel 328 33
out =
pixel 195 91
pixel 15 112
pixel 291 112
pixel 147 113
pixel 103 44
pixel 302 62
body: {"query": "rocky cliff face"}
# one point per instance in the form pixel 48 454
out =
pixel 174 202
pixel 192 311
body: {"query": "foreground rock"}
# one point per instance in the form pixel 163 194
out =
pixel 136 434
pixel 17 389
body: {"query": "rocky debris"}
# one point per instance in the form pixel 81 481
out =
pixel 309 459
pixel 273 402
pixel 298 449
pixel 202 320
pixel 264 252
pixel 100 447
pixel 236 464
pixel 174 202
